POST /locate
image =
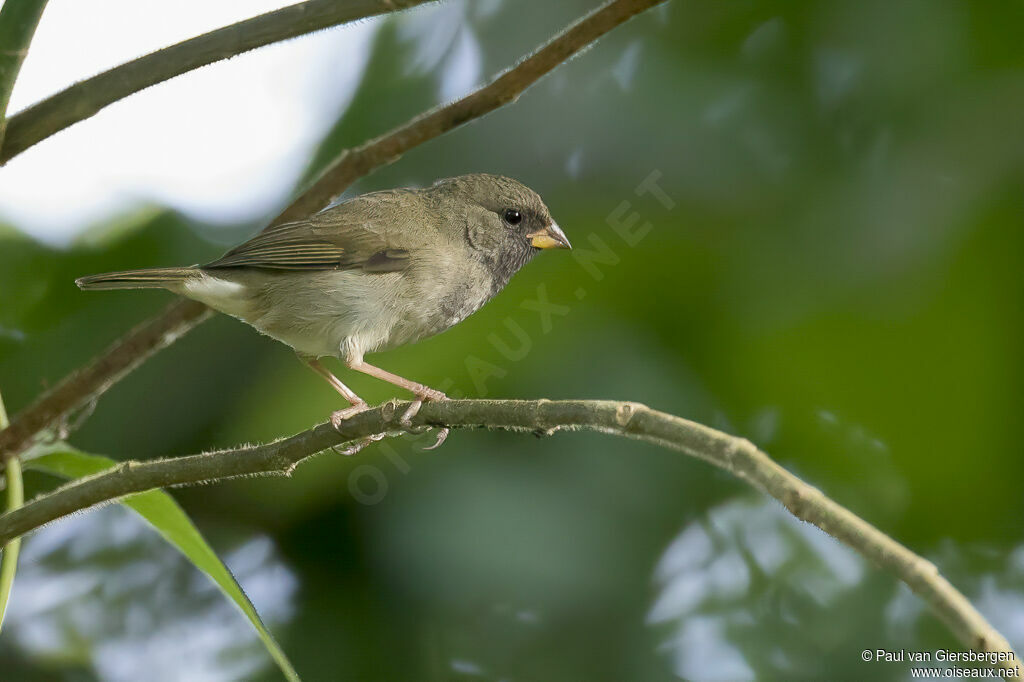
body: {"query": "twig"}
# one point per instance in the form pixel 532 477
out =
pixel 632 420
pixel 18 21
pixel 352 164
pixel 87 383
pixel 88 97
pixel 79 388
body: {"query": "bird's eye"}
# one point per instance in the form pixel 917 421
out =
pixel 513 217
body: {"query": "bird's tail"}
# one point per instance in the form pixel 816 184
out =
pixel 149 278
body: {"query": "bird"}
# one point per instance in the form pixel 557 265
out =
pixel 374 272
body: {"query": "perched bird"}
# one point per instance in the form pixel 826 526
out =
pixel 374 272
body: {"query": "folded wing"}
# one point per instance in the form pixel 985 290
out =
pixel 338 239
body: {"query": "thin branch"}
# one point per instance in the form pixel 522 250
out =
pixel 18 21
pixel 79 388
pixel 86 384
pixel 352 164
pixel 88 97
pixel 631 420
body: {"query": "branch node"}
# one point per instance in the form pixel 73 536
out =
pixel 794 500
pixel 539 417
pixel 625 412
pixel 736 448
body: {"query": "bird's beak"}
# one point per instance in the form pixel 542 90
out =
pixel 551 237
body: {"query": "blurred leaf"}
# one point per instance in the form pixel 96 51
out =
pixel 160 510
pixel 15 498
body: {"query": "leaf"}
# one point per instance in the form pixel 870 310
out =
pixel 162 512
pixel 9 560
pixel 15 498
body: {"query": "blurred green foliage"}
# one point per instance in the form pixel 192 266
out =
pixel 837 278
pixel 167 518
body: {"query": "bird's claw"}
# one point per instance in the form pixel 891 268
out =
pixel 340 416
pixel 414 408
pixel 351 448
pixel 358 444
pixel 406 419
pixel 442 436
pixel 427 394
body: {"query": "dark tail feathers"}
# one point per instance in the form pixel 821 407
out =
pixel 150 278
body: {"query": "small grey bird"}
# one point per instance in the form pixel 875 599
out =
pixel 374 272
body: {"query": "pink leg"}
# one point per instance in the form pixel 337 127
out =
pixel 358 404
pixel 334 381
pixel 419 390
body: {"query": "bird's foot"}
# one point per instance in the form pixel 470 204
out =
pixel 358 444
pixel 442 436
pixel 340 416
pixel 414 408
pixel 423 394
pixel 430 394
pixel 406 419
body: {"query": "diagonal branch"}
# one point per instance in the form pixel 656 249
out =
pixel 88 383
pixel 86 98
pixel 80 387
pixel 352 164
pixel 631 420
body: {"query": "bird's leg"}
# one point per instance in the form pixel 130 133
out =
pixel 422 393
pixel 358 404
pixel 334 381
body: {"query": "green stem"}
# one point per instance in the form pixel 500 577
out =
pixel 15 498
pixel 85 98
pixel 18 21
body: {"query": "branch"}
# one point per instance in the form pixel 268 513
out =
pixel 86 98
pixel 631 420
pixel 84 385
pixel 18 21
pixel 352 164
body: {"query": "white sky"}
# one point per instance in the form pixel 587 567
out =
pixel 223 143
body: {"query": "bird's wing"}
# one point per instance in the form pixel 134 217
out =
pixel 342 239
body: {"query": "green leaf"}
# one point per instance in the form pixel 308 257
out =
pixel 15 498
pixel 18 21
pixel 9 561
pixel 170 520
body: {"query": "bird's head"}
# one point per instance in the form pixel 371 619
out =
pixel 506 221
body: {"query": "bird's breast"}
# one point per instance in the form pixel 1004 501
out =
pixel 443 296
pixel 349 313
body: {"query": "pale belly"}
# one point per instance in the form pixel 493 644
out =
pixel 343 313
